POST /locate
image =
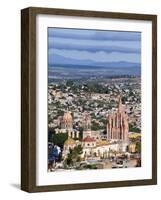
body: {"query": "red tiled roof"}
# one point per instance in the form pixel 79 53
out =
pixel 88 139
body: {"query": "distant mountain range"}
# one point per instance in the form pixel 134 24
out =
pixel 63 69
pixel 69 62
pixel 121 64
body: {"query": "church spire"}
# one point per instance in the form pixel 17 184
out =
pixel 120 107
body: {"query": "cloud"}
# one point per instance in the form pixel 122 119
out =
pixel 74 46
pixel 94 34
pixel 94 45
pixel 99 56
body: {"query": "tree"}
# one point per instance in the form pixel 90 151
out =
pixel 69 161
pixel 69 83
pixel 51 133
pixel 95 126
pixel 134 129
pixel 79 149
pixel 59 139
pixel 80 133
pixel 138 147
pixel 73 156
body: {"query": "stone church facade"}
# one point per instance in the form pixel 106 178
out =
pixel 117 126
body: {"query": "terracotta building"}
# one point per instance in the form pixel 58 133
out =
pixel 117 126
pixel 67 122
pixel 88 142
pixel 86 125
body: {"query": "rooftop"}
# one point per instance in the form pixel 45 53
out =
pixel 88 139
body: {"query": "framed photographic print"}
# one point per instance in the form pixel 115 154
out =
pixel 89 99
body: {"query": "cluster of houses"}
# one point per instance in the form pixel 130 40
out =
pixel 94 143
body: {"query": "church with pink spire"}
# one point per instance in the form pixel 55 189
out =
pixel 117 126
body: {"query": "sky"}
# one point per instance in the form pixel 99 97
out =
pixel 93 47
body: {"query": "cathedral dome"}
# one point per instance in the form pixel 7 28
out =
pixel 70 141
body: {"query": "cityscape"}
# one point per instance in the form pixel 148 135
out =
pixel 94 105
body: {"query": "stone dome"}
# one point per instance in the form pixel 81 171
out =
pixel 70 141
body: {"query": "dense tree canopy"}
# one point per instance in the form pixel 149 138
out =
pixel 134 129
pixel 60 138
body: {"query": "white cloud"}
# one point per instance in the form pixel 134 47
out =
pixel 99 56
pixel 94 45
